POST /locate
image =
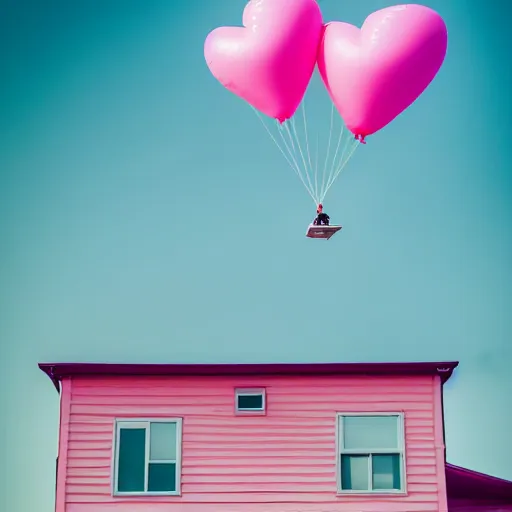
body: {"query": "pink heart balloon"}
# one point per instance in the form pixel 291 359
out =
pixel 374 73
pixel 269 61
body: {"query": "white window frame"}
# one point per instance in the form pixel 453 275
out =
pixel 146 423
pixel 340 450
pixel 251 392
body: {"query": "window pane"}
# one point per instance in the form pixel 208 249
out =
pixel 131 462
pixel 386 472
pixel 370 432
pixel 354 472
pixel 162 477
pixel 250 402
pixel 162 444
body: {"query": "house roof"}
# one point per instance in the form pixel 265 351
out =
pixel 465 484
pixel 58 371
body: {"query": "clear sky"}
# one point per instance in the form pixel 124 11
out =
pixel 145 216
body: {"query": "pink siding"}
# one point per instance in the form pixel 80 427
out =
pixel 284 461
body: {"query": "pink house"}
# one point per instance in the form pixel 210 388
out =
pixel 260 438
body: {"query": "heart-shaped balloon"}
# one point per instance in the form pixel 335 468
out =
pixel 374 73
pixel 269 61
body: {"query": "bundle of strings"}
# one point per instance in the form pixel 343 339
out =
pixel 305 164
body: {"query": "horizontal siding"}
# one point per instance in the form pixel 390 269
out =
pixel 283 461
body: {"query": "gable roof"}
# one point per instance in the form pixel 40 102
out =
pixel 465 484
pixel 58 371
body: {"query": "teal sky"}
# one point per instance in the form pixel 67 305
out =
pixel 145 216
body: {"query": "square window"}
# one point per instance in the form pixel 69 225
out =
pixel 371 453
pixel 386 472
pixel 147 457
pixel 250 400
pixel 162 477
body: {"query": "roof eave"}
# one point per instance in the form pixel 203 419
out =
pixel 49 369
pixel 57 371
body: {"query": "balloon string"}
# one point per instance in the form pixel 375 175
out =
pixel 302 156
pixel 292 155
pixel 316 160
pixel 328 151
pixel 331 171
pixel 290 136
pixel 336 165
pixel 307 145
pixel 294 168
pixel 341 166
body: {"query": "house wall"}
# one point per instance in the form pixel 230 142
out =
pixel 284 461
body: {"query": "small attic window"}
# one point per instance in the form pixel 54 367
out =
pixel 250 400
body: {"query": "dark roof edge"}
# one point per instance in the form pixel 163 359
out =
pixel 49 369
pixel 58 371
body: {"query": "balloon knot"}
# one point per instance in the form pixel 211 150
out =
pixel 360 138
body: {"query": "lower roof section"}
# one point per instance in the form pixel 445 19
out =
pixel 467 485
